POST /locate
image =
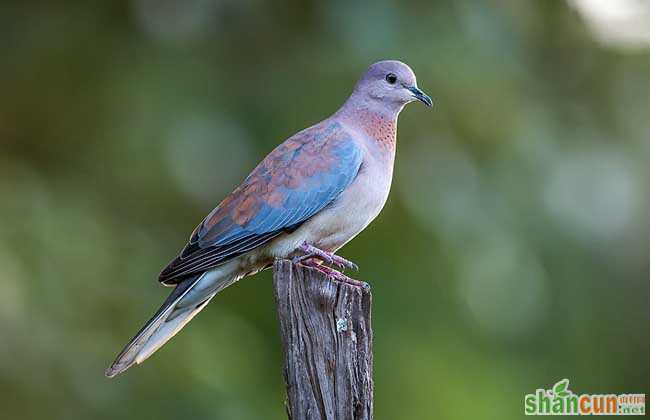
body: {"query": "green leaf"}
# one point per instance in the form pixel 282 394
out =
pixel 560 389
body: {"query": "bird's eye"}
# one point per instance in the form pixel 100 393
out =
pixel 391 78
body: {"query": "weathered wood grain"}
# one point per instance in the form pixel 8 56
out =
pixel 327 341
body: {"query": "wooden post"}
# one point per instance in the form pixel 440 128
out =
pixel 327 342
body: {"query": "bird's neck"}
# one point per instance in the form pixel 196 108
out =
pixel 377 122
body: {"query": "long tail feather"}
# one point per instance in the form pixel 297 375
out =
pixel 187 300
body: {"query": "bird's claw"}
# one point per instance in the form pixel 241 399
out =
pixel 312 254
pixel 327 257
pixel 343 263
pixel 337 275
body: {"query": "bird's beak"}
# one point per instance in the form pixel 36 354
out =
pixel 420 96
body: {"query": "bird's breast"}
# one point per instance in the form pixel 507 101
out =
pixel 354 209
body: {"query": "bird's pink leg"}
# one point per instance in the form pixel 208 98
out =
pixel 329 257
pixel 313 254
pixel 340 276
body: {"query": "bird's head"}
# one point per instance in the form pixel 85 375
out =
pixel 391 84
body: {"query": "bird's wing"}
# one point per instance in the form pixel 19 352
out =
pixel 294 182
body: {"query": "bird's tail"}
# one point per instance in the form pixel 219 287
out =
pixel 187 300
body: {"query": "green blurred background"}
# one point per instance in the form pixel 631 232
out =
pixel 513 251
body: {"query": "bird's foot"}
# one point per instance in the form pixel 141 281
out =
pixel 314 258
pixel 341 277
pixel 328 257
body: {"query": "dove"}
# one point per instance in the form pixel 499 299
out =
pixel 310 196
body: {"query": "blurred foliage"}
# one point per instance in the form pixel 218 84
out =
pixel 512 253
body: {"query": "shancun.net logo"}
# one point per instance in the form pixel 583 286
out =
pixel 561 401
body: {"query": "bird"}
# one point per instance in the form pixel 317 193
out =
pixel 308 197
